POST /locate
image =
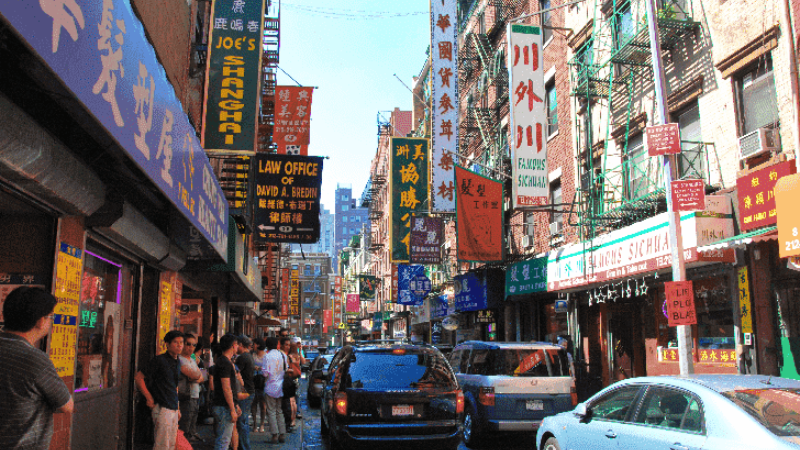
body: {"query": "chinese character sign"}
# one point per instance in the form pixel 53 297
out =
pixel 294 293
pixel 406 282
pixel 337 299
pixel 63 343
pixel 285 288
pixel 166 308
pixel 292 119
pixel 233 75
pixel 408 182
pixel 527 277
pixel 99 50
pixel 353 304
pixel 745 308
pixel 444 103
pixel 529 184
pixel 426 240
pixel 288 198
pixel 479 207
pixel 757 196
pixel 327 320
pixel 470 292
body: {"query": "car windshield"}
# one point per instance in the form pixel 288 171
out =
pixel 310 355
pixel 776 409
pixel 387 370
pixel 529 362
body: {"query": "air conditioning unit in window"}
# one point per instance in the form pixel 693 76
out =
pixel 527 241
pixel 555 228
pixel 757 142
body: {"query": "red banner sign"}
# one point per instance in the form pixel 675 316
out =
pixel 688 195
pixel 292 116
pixel 353 303
pixel 680 303
pixel 327 320
pixel 479 205
pixel 284 293
pixel 663 139
pixel 757 196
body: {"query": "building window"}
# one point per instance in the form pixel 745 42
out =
pixel 624 26
pixel 530 224
pixel 345 207
pixel 307 270
pixel 345 197
pixel 691 161
pixel 552 107
pixel 556 200
pixel 547 19
pixel 756 98
pixel 344 219
pixel 642 172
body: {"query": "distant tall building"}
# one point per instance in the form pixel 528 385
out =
pixel 326 236
pixel 348 219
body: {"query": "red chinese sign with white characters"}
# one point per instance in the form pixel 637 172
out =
pixel 530 185
pixel 292 117
pixel 444 102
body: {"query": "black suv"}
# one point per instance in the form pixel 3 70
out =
pixel 391 393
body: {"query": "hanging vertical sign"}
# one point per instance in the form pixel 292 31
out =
pixel 327 320
pixel 353 304
pixel 166 308
pixel 426 240
pixel 230 115
pixel 479 208
pixel 292 119
pixel 285 290
pixel 294 294
pixel 529 184
pixel 337 299
pixel 444 104
pixel 408 181
pixel 395 283
pixel 745 308
pixel 680 303
pixel 63 342
pixel 407 274
pixel 366 286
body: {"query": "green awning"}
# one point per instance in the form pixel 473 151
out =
pixel 741 240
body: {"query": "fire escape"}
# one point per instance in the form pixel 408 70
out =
pixel 610 74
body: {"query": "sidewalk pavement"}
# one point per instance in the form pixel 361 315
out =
pixel 258 440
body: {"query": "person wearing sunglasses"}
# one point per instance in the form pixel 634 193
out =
pixel 190 397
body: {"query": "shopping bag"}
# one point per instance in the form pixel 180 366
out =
pixel 181 443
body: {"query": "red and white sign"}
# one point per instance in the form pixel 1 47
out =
pixel 756 193
pixel 663 139
pixel 327 320
pixel 642 248
pixel 688 195
pixel 680 303
pixel 529 182
pixel 292 116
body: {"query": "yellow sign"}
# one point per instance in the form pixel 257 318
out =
pixel 787 194
pixel 165 311
pixel 341 326
pixel 745 307
pixel 64 335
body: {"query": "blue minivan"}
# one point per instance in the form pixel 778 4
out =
pixel 511 386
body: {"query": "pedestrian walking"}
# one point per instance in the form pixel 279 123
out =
pixel 273 370
pixel 259 404
pixel 292 382
pixel 226 391
pixel 30 388
pixel 246 366
pixel 189 389
pixel 158 383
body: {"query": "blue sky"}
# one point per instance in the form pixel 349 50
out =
pixel 350 51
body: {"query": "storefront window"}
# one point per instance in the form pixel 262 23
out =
pixel 714 329
pixel 98 324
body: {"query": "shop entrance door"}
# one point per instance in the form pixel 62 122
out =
pixel 788 300
pixel 625 348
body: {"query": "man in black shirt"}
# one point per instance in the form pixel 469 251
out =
pixel 226 391
pixel 247 368
pixel 30 388
pixel 158 382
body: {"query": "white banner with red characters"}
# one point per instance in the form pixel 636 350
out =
pixel 528 117
pixel 292 119
pixel 444 100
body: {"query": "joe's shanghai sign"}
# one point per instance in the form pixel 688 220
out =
pixel 287 198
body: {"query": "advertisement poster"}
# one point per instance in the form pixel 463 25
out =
pixel 444 104
pixel 233 76
pixel 292 119
pixel 288 192
pixel 479 228
pixel 427 234
pixel 367 285
pixel 408 184
pixel 529 184
pixel 63 340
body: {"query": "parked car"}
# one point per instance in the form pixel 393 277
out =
pixel 400 393
pixel 311 355
pixel 731 412
pixel 316 380
pixel 511 386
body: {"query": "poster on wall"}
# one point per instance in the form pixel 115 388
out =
pixel 529 182
pixel 479 206
pixel 64 337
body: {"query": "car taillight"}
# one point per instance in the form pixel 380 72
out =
pixel 486 396
pixel 574 394
pixel 459 402
pixel 340 403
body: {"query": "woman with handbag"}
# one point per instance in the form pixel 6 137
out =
pixel 291 384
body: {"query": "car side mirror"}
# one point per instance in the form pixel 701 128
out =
pixel 581 411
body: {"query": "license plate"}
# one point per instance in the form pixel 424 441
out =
pixel 534 405
pixel 402 410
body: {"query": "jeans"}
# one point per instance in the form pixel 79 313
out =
pixel 224 427
pixel 275 415
pixel 188 422
pixel 166 427
pixel 243 424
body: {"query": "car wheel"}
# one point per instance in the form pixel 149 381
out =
pixel 471 437
pixel 551 444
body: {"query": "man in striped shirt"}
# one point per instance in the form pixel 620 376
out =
pixel 30 388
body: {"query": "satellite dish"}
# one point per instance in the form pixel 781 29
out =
pixel 450 324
